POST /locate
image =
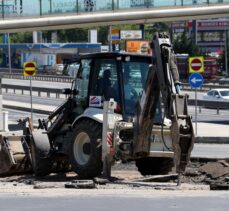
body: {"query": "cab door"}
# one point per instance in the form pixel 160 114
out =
pixel 104 83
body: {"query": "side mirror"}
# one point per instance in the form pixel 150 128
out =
pixel 217 96
pixel 68 91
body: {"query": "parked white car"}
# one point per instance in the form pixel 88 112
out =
pixel 59 69
pixel 217 95
pixel 224 80
pixel 73 69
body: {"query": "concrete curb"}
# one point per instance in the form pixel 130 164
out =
pixel 38 111
pixel 21 106
pixel 211 140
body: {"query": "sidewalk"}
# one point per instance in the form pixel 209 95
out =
pixel 212 133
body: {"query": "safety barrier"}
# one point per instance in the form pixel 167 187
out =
pixel 51 78
pixel 68 79
pixel 205 87
pixel 209 104
pixel 56 92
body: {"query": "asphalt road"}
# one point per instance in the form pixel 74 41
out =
pixel 205 115
pixel 113 200
pixel 35 99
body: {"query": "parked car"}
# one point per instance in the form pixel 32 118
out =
pixel 224 80
pixel 73 69
pixel 59 69
pixel 217 95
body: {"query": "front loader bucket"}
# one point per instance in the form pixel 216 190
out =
pixel 14 157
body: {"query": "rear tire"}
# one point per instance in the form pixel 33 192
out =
pixel 154 166
pixel 85 151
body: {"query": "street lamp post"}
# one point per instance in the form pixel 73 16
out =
pixel 225 49
pixel 9 52
pixel 110 40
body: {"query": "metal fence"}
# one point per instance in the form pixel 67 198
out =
pixel 51 78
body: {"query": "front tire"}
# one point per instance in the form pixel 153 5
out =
pixel 86 150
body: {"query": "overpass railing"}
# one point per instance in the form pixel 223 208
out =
pixel 34 8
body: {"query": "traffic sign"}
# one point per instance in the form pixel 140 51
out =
pixel 196 80
pixel 29 68
pixel 196 64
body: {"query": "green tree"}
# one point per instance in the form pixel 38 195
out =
pixel 103 32
pixel 183 45
pixel 73 35
pixel 21 37
pixel 150 30
pixel 221 60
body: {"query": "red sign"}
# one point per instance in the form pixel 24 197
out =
pixel 196 64
pixel 29 69
pixel 211 24
pixel 29 65
pixel 29 72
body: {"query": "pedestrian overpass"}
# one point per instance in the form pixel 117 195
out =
pixel 24 15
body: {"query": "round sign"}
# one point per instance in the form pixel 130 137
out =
pixel 196 64
pixel 30 72
pixel 29 69
pixel 196 80
pixel 30 65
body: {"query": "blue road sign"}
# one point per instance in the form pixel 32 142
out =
pixel 196 80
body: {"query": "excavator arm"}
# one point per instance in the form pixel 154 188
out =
pixel 163 80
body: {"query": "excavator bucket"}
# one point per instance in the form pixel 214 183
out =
pixel 14 155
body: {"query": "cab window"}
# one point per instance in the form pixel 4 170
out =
pixel 81 83
pixel 104 83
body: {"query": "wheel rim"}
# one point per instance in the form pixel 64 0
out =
pixel 81 155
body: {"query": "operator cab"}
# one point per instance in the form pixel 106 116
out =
pixel 119 76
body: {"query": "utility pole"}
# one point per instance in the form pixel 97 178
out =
pixel 194 28
pixel 110 40
pixel 9 52
pixel 226 64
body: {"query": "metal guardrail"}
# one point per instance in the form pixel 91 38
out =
pixel 209 104
pixel 52 78
pixel 57 92
pixel 39 90
pixel 205 87
pixel 201 103
pixel 68 79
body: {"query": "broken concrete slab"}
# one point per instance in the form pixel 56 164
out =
pixel 214 169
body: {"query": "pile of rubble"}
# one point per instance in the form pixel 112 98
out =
pixel 212 172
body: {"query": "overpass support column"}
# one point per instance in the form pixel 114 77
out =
pixel 142 28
